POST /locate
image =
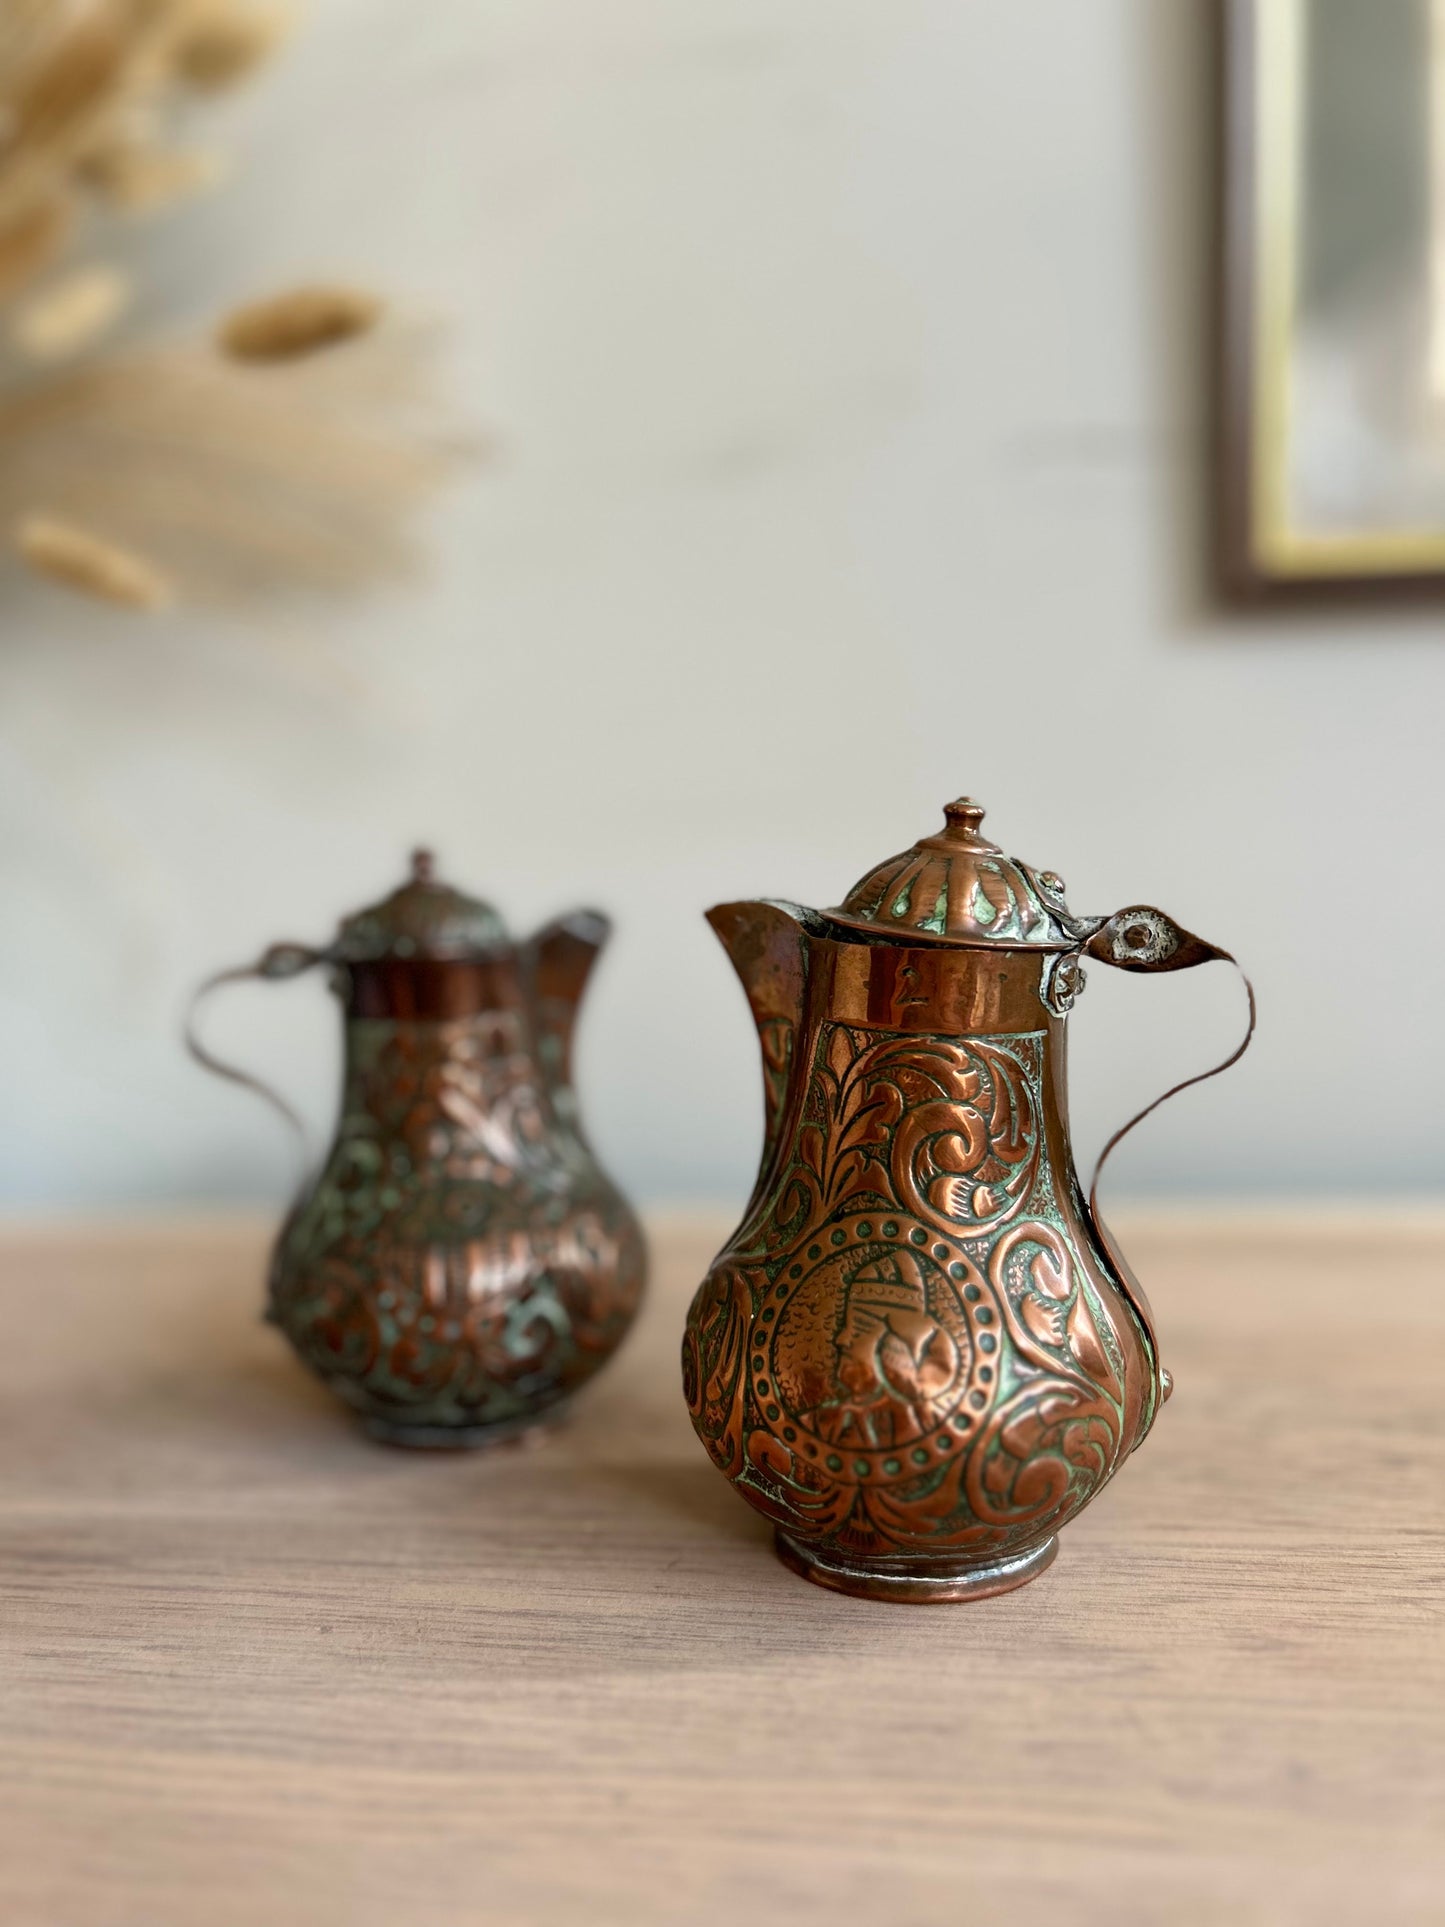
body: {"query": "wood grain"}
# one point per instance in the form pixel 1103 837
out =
pixel 257 1669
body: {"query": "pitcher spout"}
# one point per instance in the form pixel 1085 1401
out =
pixel 768 944
pixel 557 963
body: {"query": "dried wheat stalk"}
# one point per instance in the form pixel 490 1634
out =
pixel 297 323
pixel 71 313
pixel 83 560
pixel 227 472
pixel 230 478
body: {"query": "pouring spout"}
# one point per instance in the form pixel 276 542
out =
pixel 557 964
pixel 768 944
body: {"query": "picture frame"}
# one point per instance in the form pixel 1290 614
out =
pixel 1322 433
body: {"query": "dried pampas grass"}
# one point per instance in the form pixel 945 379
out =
pixel 82 560
pixel 71 314
pixel 136 178
pixel 290 452
pixel 218 44
pixel 86 90
pixel 32 241
pixel 230 481
pixel 297 323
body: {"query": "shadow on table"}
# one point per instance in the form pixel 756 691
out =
pixel 696 1494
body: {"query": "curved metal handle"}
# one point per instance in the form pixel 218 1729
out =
pixel 281 961
pixel 1143 938
pixel 1200 1077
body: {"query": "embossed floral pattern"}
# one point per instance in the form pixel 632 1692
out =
pixel 908 1356
pixel 461 1260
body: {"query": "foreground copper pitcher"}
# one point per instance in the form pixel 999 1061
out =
pixel 460 1264
pixel 920 1355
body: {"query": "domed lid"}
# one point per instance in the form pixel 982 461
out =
pixel 423 919
pixel 957 887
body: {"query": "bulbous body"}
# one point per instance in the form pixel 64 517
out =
pixel 921 1354
pixel 914 1355
pixel 461 1264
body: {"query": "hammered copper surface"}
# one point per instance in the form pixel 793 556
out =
pixel 919 1354
pixel 460 1264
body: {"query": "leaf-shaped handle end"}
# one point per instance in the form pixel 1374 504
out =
pixel 1143 938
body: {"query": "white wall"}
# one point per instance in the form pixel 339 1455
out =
pixel 845 364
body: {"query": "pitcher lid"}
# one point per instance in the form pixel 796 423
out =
pixel 425 919
pixel 957 887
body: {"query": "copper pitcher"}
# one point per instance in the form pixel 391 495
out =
pixel 460 1263
pixel 921 1354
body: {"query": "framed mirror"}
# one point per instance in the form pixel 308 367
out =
pixel 1332 469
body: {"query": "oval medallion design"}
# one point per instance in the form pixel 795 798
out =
pixel 879 1350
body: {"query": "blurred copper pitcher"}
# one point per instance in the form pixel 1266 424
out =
pixel 920 1354
pixel 460 1264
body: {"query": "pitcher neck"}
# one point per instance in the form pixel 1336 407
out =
pixel 431 990
pixel 940 991
pixel 471 1079
pixel 929 1030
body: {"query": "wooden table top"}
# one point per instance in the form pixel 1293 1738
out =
pixel 254 1668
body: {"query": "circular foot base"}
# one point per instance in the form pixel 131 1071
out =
pixel 920 1585
pixel 457 1438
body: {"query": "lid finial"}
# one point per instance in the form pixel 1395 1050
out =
pixel 963 818
pixel 423 866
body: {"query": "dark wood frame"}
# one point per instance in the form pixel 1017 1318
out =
pixel 1238 175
